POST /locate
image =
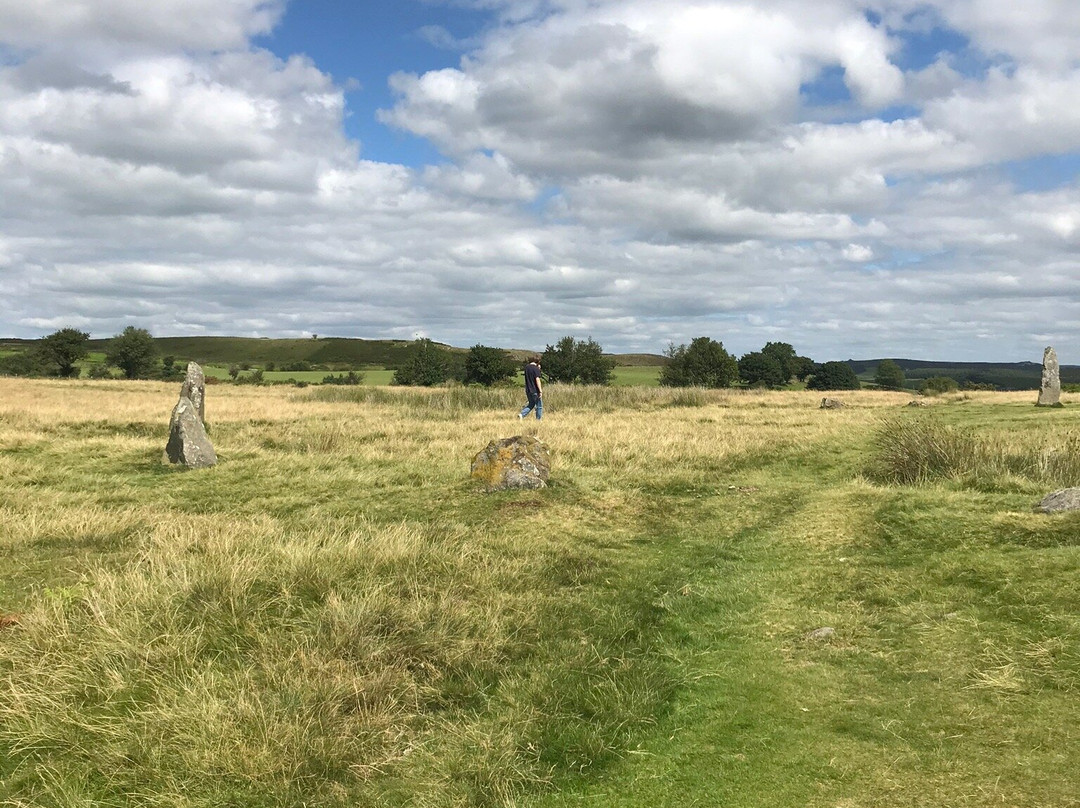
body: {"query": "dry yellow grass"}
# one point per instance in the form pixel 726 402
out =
pixel 335 614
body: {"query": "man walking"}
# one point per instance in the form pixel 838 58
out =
pixel 533 389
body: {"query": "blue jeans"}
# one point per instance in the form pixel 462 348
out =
pixel 538 405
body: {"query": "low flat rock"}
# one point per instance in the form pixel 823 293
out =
pixel 1067 499
pixel 188 442
pixel 831 404
pixel 518 462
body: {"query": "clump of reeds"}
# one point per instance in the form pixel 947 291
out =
pixel 918 450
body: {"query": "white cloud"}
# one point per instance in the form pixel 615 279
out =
pixel 857 253
pixel 641 171
pixel 207 25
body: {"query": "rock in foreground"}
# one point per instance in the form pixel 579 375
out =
pixel 518 462
pixel 831 404
pixel 1067 499
pixel 188 442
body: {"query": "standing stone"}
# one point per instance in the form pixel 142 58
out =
pixel 518 462
pixel 1050 389
pixel 188 443
pixel 195 389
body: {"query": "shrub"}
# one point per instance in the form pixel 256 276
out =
pixel 170 371
pixel 351 378
pixel 255 377
pixel 23 363
pixel 99 371
pixel 936 385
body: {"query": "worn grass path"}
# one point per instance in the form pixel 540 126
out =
pixel 952 676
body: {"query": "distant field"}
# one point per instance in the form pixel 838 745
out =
pixel 638 376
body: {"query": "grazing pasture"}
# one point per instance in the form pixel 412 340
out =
pixel 336 616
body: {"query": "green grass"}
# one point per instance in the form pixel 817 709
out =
pixel 641 375
pixel 335 616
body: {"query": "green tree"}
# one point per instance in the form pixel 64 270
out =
pixel 889 375
pixel 784 355
pixel 760 368
pixel 833 376
pixel 702 363
pixel 935 385
pixel 577 361
pixel 488 366
pixel 425 367
pixel 802 367
pixel 170 371
pixel 133 351
pixel 63 349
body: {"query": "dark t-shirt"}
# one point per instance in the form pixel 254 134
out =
pixel 532 389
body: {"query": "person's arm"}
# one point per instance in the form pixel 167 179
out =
pixel 539 386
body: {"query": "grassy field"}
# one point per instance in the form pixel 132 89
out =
pixel 637 376
pixel 336 616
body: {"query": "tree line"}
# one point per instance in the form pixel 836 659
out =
pixel 132 351
pixel 704 362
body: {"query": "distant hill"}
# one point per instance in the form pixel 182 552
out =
pixel 1003 375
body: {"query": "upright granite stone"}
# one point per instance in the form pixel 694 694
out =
pixel 518 462
pixel 188 443
pixel 1050 389
pixel 195 389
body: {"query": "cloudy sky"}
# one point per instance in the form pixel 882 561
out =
pixel 859 178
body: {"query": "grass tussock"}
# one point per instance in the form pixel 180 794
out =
pixel 278 666
pixel 910 451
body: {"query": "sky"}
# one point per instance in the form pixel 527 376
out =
pixel 859 178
